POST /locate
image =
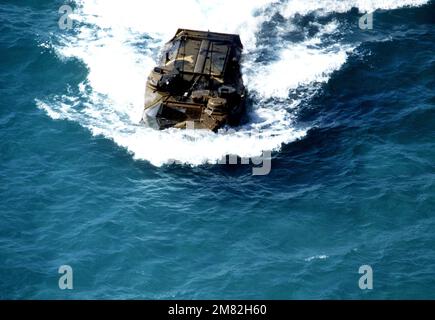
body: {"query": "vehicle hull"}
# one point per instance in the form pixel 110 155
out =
pixel 198 83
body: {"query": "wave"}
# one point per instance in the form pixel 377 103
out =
pixel 318 257
pixel 120 41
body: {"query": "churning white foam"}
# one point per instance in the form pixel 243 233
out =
pixel 119 42
pixel 325 6
pixel 299 64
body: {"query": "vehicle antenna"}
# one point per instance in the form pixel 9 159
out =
pixel 211 61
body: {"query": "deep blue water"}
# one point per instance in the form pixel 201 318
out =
pixel 357 189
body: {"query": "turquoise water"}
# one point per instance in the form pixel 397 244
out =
pixel 348 113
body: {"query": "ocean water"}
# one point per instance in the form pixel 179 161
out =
pixel 348 114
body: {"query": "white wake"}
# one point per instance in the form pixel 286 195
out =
pixel 119 42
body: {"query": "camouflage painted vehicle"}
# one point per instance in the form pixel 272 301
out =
pixel 197 84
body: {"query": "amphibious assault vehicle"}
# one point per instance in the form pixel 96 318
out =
pixel 197 83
